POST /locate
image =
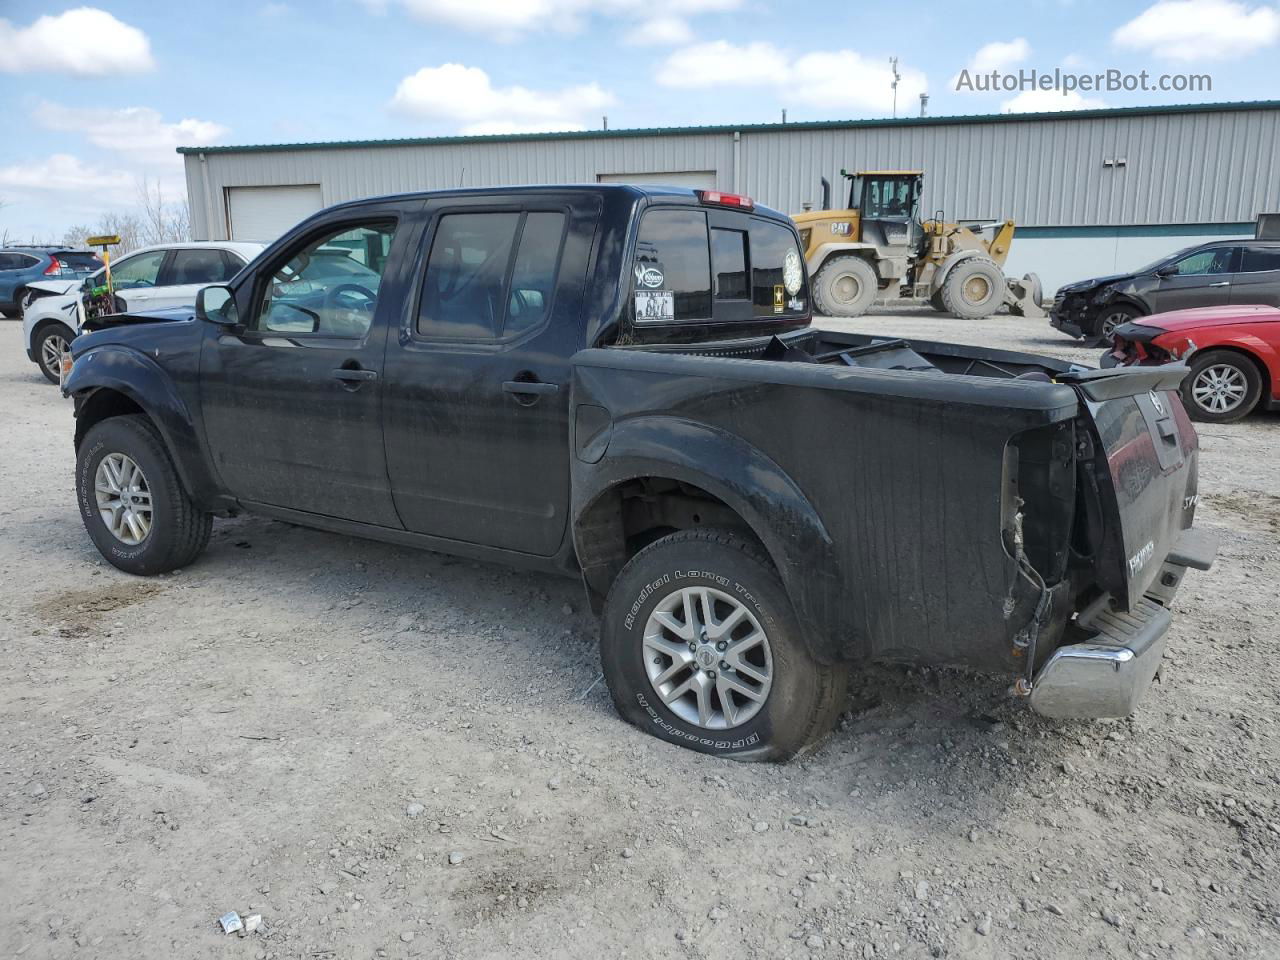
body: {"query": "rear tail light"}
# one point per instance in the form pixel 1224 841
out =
pixel 54 269
pixel 726 199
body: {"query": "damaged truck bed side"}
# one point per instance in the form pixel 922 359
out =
pixel 753 504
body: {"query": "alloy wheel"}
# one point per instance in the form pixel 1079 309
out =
pixel 708 658
pixel 52 350
pixel 124 499
pixel 1219 388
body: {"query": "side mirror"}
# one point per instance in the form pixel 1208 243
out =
pixel 217 304
pixel 1167 271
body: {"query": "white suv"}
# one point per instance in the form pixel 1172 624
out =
pixel 152 278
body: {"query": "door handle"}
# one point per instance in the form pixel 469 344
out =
pixel 1221 283
pixel 530 387
pixel 354 374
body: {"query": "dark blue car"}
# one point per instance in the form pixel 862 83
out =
pixel 20 266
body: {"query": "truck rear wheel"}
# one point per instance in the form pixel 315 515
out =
pixel 701 648
pixel 131 501
pixel 973 289
pixel 845 286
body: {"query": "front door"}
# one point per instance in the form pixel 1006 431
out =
pixel 477 387
pixel 1200 279
pixel 291 401
pixel 135 279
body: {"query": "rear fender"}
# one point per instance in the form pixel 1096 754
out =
pixel 748 482
pixel 101 375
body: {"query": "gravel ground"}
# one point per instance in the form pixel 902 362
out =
pixel 392 753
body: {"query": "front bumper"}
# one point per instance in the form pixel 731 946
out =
pixel 1107 675
pixel 1067 320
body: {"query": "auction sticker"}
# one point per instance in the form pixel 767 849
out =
pixel 655 306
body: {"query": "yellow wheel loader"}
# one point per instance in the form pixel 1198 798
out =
pixel 879 248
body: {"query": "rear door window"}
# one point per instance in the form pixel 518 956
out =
pixel 1260 259
pixel 196 267
pixel 491 275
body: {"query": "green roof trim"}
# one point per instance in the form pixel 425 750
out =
pixel 621 133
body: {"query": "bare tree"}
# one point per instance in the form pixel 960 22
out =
pixel 162 221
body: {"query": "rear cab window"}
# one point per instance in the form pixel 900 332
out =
pixel 707 265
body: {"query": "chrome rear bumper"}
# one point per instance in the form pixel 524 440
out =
pixel 1108 675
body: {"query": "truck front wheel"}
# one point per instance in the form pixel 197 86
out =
pixel 131 501
pixel 701 648
pixel 844 287
pixel 973 289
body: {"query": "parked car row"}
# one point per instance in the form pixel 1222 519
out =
pixel 24 268
pixel 1212 306
pixel 152 278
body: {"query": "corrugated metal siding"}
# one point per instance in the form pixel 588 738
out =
pixel 1207 167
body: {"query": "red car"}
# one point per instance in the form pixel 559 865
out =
pixel 1233 354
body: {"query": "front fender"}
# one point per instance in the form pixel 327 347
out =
pixel 940 275
pixel 747 481
pixel 821 253
pixel 104 373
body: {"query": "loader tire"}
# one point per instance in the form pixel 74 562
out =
pixel 973 289
pixel 844 287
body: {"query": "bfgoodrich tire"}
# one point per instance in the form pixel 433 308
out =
pixel 700 647
pixel 132 502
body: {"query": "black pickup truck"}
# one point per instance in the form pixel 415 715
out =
pixel 622 384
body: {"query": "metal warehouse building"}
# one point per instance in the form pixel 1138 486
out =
pixel 1092 191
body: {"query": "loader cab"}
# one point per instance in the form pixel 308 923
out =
pixel 887 202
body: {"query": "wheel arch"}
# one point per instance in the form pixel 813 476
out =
pixel 1269 381
pixel 864 251
pixel 132 384
pixel 714 480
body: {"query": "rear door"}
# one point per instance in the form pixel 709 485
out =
pixel 1200 279
pixel 1258 280
pixel 477 380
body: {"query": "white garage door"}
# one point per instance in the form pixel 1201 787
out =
pixel 263 213
pixel 694 179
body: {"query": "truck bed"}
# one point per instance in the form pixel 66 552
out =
pixel 925 477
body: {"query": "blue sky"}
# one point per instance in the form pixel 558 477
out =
pixel 96 97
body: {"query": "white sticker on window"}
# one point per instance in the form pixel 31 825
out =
pixel 655 306
pixel 791 275
pixel 649 276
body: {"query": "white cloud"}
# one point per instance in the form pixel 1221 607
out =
pixel 63 173
pixel 830 79
pixel 1049 101
pixel 1000 55
pixel 664 31
pixel 137 132
pixel 84 41
pixel 722 64
pixel 466 95
pixel 507 19
pixel 1200 29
